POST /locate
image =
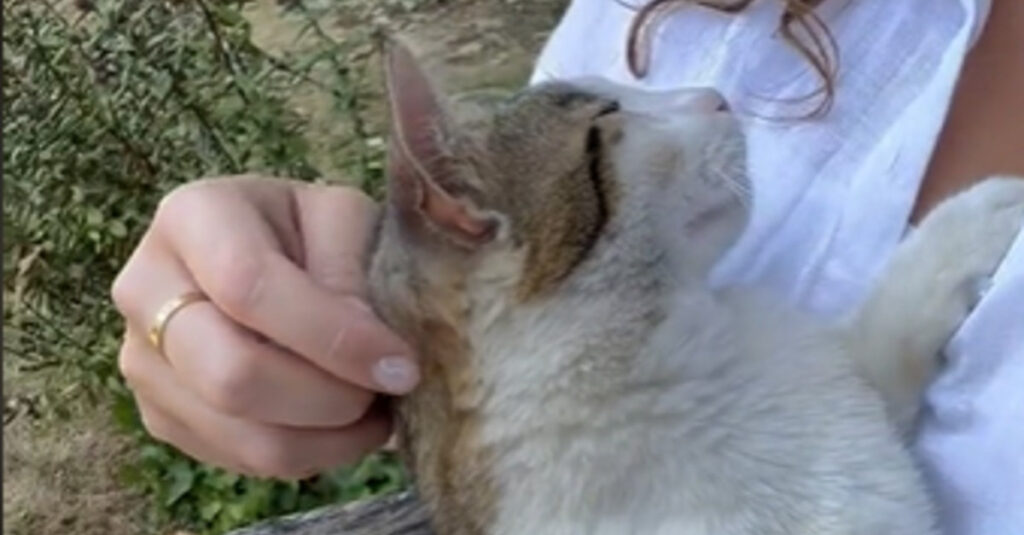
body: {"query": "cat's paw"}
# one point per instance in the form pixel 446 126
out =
pixel 940 272
pixel 997 195
pixel 967 236
pixel 931 285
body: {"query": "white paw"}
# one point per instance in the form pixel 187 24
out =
pixel 989 196
pixel 970 233
pixel 942 270
pixel 937 276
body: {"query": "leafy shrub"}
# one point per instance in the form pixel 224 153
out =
pixel 107 106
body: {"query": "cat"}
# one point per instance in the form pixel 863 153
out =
pixel 549 259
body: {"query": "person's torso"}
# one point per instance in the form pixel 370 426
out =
pixel 833 195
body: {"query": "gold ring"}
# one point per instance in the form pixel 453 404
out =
pixel 170 308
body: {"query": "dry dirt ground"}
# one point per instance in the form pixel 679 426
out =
pixel 62 479
pixel 468 45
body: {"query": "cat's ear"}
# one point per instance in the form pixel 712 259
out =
pixel 423 186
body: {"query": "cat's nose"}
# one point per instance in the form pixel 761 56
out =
pixel 702 100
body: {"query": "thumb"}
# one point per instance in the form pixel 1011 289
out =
pixel 336 224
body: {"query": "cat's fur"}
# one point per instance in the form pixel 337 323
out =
pixel 580 377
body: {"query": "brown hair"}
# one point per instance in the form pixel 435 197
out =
pixel 817 45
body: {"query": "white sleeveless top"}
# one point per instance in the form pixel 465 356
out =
pixel 833 195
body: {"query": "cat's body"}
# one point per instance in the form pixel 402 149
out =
pixel 581 378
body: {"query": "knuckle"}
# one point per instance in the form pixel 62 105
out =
pixel 182 200
pixel 129 286
pixel 156 426
pixel 355 195
pixel 238 281
pixel 129 363
pixel 273 456
pixel 120 290
pixel 229 386
pixel 182 203
pixel 200 194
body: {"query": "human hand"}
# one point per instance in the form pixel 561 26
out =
pixel 276 373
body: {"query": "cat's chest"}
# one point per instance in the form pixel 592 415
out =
pixel 587 428
pixel 541 363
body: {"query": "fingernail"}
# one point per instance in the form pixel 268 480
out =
pixel 395 374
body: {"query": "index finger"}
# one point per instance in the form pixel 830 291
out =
pixel 337 226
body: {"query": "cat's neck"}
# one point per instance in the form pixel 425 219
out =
pixel 590 334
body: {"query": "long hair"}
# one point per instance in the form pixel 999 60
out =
pixel 799 26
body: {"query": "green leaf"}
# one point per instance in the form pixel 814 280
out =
pixel 227 15
pixel 234 512
pixel 117 229
pixel 124 413
pixel 93 216
pixel 182 478
pixel 224 480
pixel 153 453
pixel 209 510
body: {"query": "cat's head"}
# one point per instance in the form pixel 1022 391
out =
pixel 559 183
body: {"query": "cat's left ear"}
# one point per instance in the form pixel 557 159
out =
pixel 423 185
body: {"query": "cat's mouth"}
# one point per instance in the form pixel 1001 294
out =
pixel 695 101
pixel 703 100
pixel 655 103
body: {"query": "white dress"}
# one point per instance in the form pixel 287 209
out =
pixel 833 195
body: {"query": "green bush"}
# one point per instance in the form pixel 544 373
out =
pixel 107 106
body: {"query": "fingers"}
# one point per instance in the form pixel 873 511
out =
pixel 249 378
pixel 251 447
pixel 272 376
pixel 255 284
pixel 337 226
pixel 166 428
pixel 340 334
pixel 233 370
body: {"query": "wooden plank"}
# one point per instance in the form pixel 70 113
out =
pixel 397 514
